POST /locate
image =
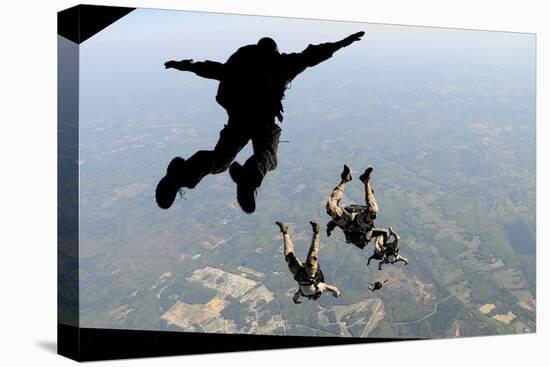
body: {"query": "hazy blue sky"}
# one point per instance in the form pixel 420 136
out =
pixel 129 55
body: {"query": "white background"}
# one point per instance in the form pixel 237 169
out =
pixel 28 191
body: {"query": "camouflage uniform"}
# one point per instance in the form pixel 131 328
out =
pixel 381 236
pixel 350 222
pixel 390 250
pixel 311 269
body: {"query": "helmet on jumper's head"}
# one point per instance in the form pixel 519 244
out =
pixel 268 44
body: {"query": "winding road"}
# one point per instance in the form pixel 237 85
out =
pixel 425 317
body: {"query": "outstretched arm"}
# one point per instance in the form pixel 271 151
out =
pixel 205 69
pixel 296 298
pixel 316 54
pixel 401 258
pixel 323 287
pixel 349 40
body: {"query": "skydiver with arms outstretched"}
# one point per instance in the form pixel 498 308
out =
pixel 310 278
pixel 252 83
pixel 391 250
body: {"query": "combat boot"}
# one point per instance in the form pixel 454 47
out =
pixel 283 227
pixel 246 191
pixel 365 177
pixel 346 175
pixel 330 227
pixel 169 185
pixel 315 226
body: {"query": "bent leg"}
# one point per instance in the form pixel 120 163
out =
pixel 333 202
pixel 204 162
pixel 312 262
pixel 265 142
pixel 372 205
pixel 375 232
pixel 401 258
pixel 379 245
pixel 288 245
pixel 293 263
pixel 323 287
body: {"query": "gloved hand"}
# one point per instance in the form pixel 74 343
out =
pixel 352 38
pixel 172 64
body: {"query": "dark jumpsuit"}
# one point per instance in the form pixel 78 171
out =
pixel 252 86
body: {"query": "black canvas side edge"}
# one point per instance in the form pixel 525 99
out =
pixel 103 344
pixel 67 193
pixel 81 22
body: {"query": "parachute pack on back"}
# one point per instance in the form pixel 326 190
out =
pixel 303 279
pixel 246 83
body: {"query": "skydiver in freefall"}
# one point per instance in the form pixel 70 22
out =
pixel 385 249
pixel 356 221
pixel 252 85
pixel 309 276
pixel 376 285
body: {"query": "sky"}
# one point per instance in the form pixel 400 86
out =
pixel 128 56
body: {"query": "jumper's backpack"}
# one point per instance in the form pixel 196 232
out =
pixel 354 235
pixel 357 238
pixel 357 208
pixel 303 279
pixel 249 84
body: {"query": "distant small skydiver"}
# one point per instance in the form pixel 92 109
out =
pixel 252 85
pixel 309 276
pixel 356 221
pixel 376 285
